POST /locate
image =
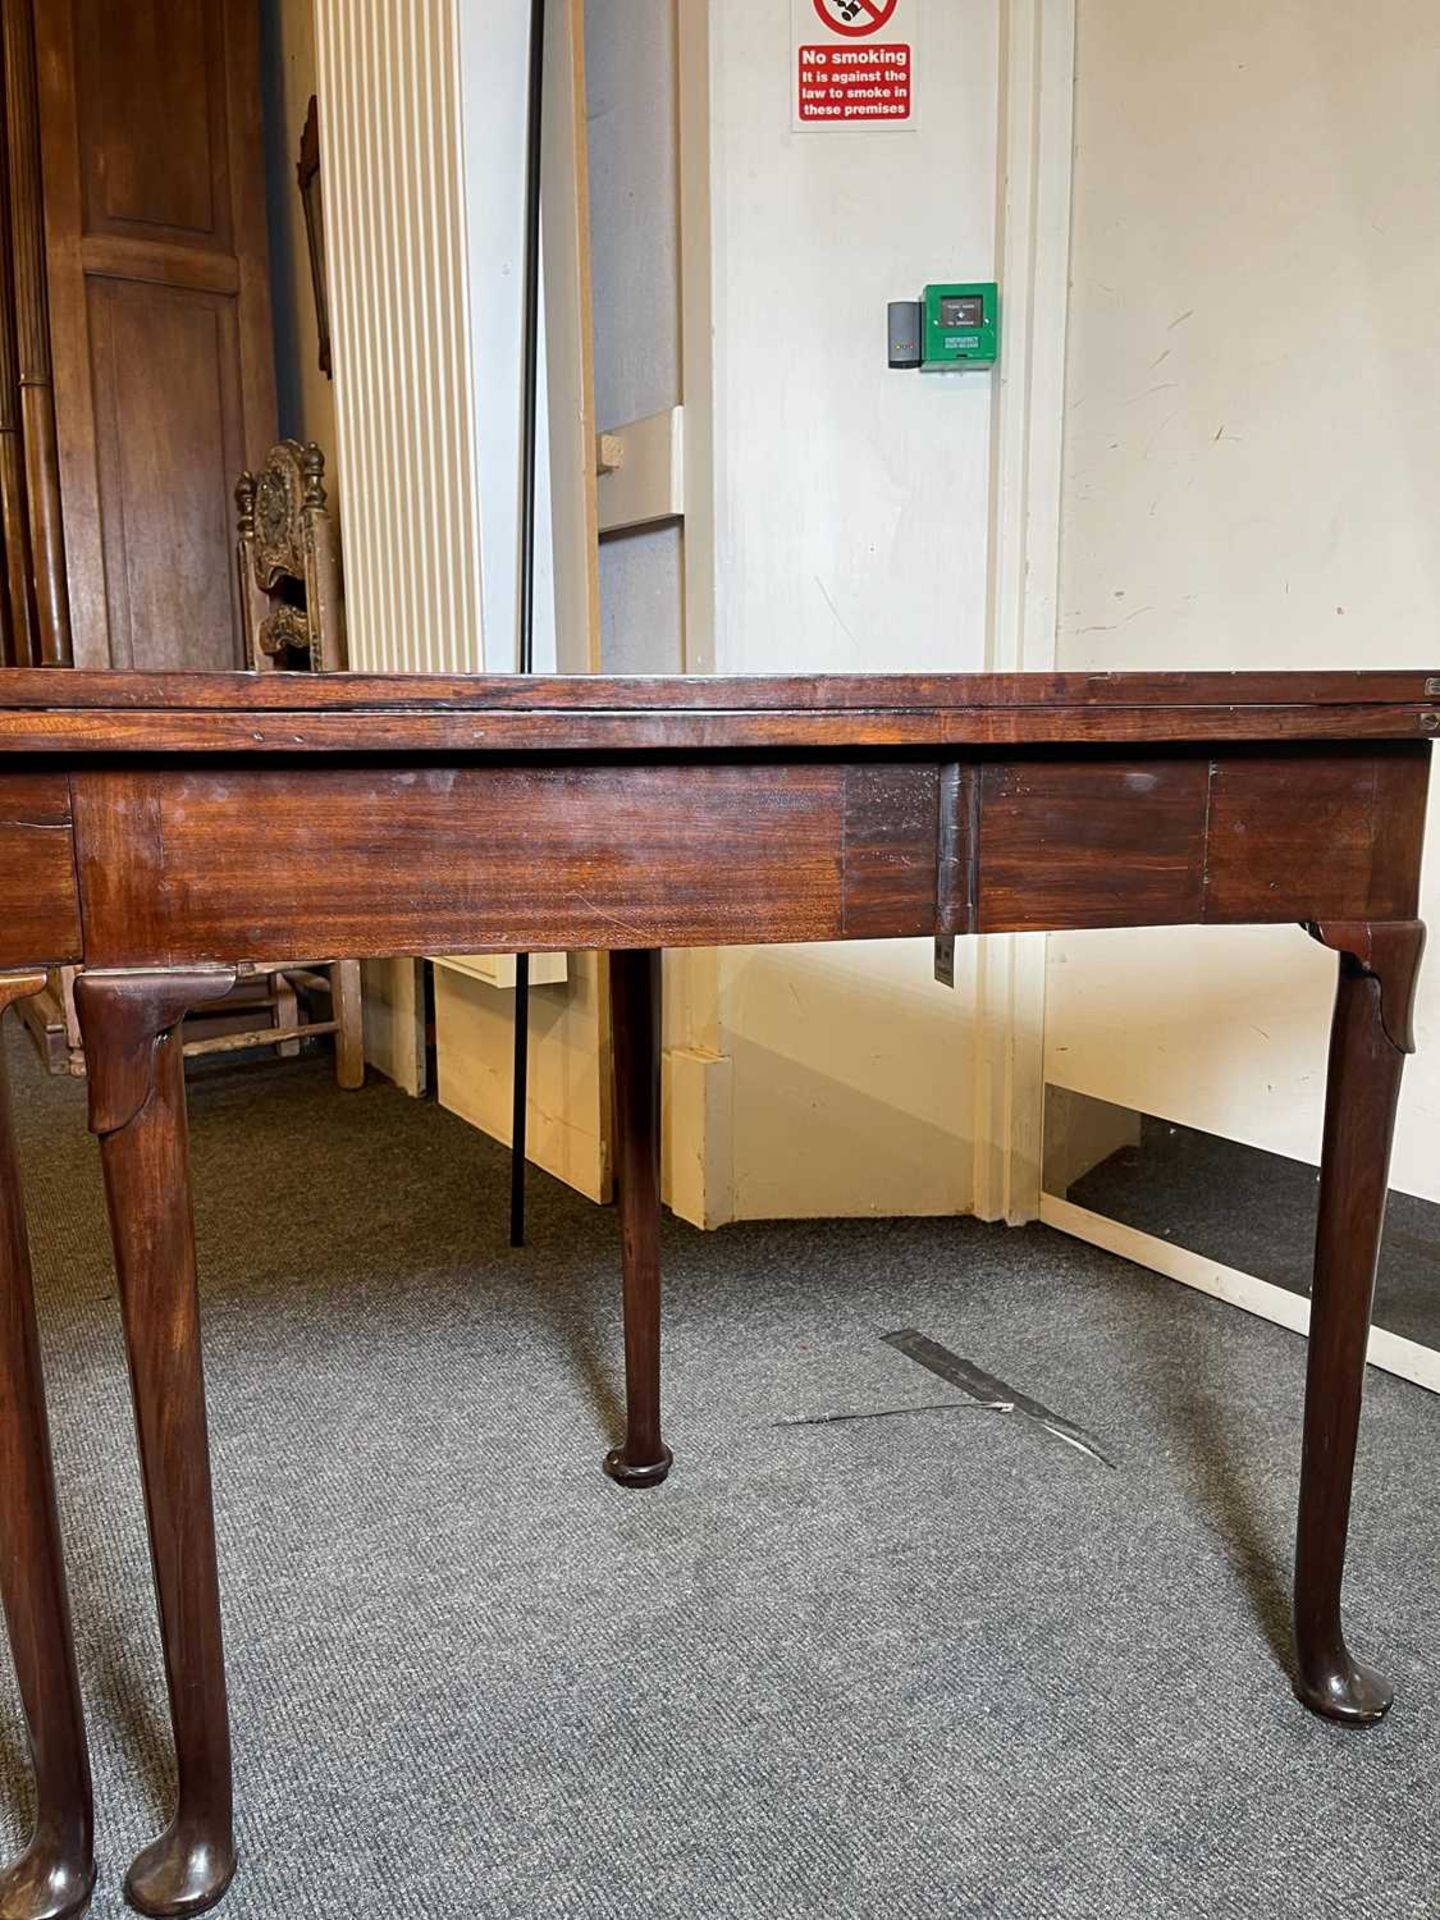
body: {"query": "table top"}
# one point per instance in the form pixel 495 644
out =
pixel 44 710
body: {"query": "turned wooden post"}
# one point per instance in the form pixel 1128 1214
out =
pixel 54 1876
pixel 130 1023
pixel 1370 1036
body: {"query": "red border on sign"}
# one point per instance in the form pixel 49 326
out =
pixel 828 95
pixel 881 13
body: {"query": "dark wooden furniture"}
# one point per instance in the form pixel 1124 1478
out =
pixel 163 831
pixel 136 356
pixel 154 249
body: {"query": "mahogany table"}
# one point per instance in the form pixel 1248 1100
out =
pixel 163 832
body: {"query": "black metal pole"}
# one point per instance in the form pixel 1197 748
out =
pixel 530 408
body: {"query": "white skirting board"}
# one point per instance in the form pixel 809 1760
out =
pixel 1390 1351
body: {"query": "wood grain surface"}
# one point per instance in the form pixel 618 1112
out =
pixel 193 861
pixel 198 865
pixel 39 904
pixel 822 692
pixel 1245 836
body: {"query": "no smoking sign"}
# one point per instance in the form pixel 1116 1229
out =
pixel 855 17
pixel 854 63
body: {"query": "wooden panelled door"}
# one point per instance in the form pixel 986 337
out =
pixel 150 126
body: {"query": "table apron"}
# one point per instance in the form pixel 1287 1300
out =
pixel 196 861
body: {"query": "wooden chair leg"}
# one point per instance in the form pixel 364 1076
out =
pixel 286 1013
pixel 350 1032
pixel 644 1459
pixel 56 1873
pixel 66 977
pixel 137 1108
pixel 1370 1037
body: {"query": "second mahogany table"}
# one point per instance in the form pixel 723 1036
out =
pixel 163 832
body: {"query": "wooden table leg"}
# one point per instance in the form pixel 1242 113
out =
pixel 130 1023
pixel 1369 1039
pixel 644 1460
pixel 56 1873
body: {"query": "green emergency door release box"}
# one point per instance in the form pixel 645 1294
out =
pixel 960 326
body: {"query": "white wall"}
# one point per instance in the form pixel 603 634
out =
pixel 632 109
pixel 1251 471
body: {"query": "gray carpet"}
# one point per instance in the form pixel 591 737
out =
pixel 934 1665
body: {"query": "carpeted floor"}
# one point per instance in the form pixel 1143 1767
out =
pixel 933 1665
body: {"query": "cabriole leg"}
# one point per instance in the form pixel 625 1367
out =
pixel 1369 1039
pixel 130 1023
pixel 644 1459
pixel 55 1874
